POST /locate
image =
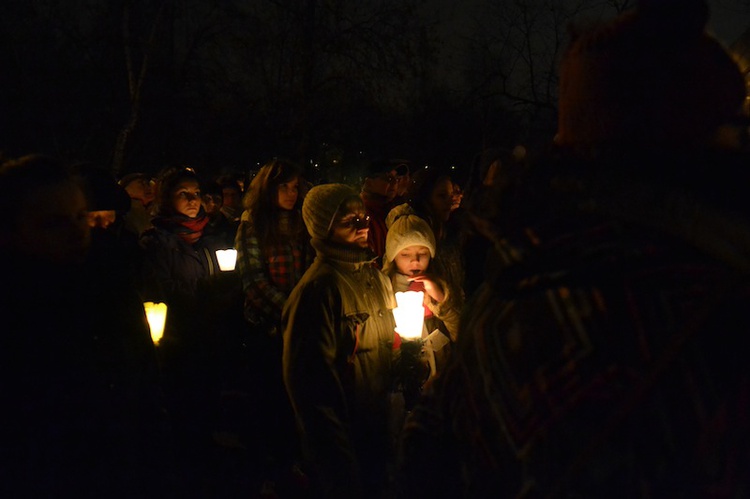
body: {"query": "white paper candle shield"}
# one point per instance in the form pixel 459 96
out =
pixel 227 258
pixel 156 313
pixel 409 314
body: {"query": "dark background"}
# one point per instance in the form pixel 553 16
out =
pixel 224 86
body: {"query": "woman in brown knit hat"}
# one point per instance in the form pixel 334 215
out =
pixel 338 349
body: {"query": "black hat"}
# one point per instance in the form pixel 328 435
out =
pixel 102 190
pixel 132 177
pixel 380 166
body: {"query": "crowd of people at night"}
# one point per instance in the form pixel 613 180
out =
pixel 584 307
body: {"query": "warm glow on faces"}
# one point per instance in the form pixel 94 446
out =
pixel 489 177
pixel 412 260
pixel 287 194
pixel 54 225
pixel 457 197
pixel 351 229
pixel 186 198
pixel 442 199
pixel 102 218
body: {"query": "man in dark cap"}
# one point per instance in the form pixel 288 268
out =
pixel 379 190
pixel 106 198
pixel 114 248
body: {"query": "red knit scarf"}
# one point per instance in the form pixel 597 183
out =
pixel 188 229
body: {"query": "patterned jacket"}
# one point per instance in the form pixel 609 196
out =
pixel 268 275
pixel 610 359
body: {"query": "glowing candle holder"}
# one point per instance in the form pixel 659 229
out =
pixel 227 259
pixel 409 314
pixel 156 313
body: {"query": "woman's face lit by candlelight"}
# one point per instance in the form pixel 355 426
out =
pixel 186 198
pixel 287 194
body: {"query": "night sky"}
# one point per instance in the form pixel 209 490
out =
pixel 71 98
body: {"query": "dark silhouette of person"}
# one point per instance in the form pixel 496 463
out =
pixel 180 268
pixel 80 383
pixel 610 360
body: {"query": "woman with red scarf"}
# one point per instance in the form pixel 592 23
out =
pixel 181 270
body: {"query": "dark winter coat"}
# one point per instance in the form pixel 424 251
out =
pixel 81 391
pixel 187 278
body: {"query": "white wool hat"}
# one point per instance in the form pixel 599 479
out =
pixel 406 229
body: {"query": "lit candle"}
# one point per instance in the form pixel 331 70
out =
pixel 409 314
pixel 227 258
pixel 156 313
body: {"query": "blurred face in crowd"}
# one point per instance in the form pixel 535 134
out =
pixel 403 184
pixel 141 189
pixel 212 203
pixel 101 218
pixel 458 195
pixel 492 170
pixel 287 194
pixel 413 260
pixel 351 228
pixel 53 224
pixel 186 198
pixel 232 197
pixel 384 184
pixel 441 199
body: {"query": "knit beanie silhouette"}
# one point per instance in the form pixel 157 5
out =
pixel 320 206
pixel 651 76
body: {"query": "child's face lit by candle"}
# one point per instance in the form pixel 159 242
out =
pixel 412 260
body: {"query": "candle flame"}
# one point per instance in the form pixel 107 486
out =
pixel 156 313
pixel 409 314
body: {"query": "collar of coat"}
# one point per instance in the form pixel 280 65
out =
pixel 346 256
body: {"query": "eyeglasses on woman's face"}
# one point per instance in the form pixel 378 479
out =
pixel 385 177
pixel 355 222
pixel 351 229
